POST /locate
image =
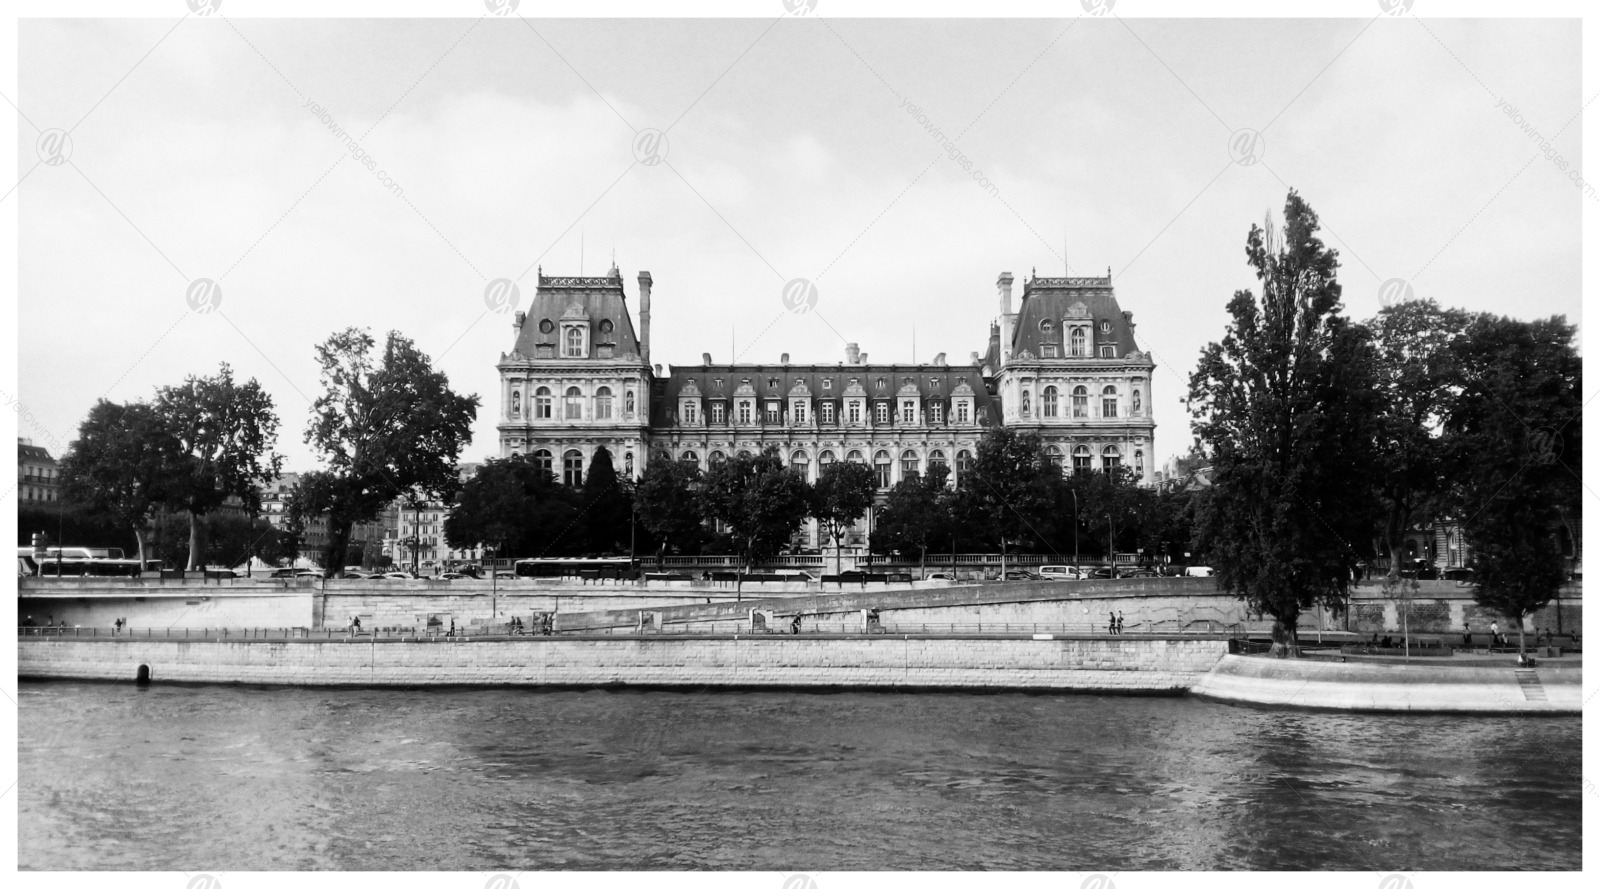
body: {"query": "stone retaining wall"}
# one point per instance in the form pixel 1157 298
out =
pixel 1153 666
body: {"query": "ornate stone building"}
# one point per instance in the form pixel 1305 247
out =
pixel 1064 364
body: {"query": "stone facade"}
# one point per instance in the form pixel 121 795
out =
pixel 1065 364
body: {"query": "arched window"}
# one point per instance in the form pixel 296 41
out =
pixel 1108 401
pixel 1054 453
pixel 1110 458
pixel 1138 463
pixel 856 457
pixel 691 458
pixel 800 461
pixel 1138 402
pixel 1078 342
pixel 825 458
pixel 574 401
pixel 884 465
pixel 936 459
pixel 572 468
pixel 716 457
pixel 544 462
pixel 574 342
pixel 627 402
pixel 602 403
pixel 1080 402
pixel 541 403
pixel 963 461
pixel 745 453
pixel 1049 401
pixel 1082 460
pixel 910 465
pixel 516 404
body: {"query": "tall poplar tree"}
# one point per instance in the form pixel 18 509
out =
pixel 1285 405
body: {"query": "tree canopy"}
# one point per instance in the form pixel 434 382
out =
pixel 760 500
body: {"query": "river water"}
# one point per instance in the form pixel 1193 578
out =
pixel 222 778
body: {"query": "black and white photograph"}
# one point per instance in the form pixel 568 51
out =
pixel 797 443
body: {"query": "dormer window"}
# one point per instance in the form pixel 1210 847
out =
pixel 827 385
pixel 1105 326
pixel 606 326
pixel 1108 351
pixel 1046 326
pixel 719 384
pixel 1048 350
pixel 1078 347
pixel 573 343
pixel 881 383
pixel 880 412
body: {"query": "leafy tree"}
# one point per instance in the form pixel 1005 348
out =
pixel 1285 406
pixel 670 508
pixel 607 506
pixel 916 515
pixel 761 501
pixel 65 522
pixel 1516 453
pixel 120 466
pixel 1418 379
pixel 514 506
pixel 386 425
pixel 1012 488
pixel 842 495
pixel 224 433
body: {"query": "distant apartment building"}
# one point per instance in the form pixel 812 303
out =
pixel 38 474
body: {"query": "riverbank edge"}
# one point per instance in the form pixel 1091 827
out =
pixel 1311 684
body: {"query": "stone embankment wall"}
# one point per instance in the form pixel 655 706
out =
pixel 1146 666
pixel 1147 605
pixel 1317 683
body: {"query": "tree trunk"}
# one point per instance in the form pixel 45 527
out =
pixel 195 562
pixel 1522 638
pixel 924 566
pixel 138 536
pixel 338 542
pixel 1002 558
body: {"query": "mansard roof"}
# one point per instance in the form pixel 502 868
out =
pixel 595 300
pixel 778 382
pixel 1069 299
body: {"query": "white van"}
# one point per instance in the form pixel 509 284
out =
pixel 1062 572
pixel 1197 571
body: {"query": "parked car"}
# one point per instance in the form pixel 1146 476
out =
pixel 1061 572
pixel 941 577
pixel 1460 575
pixel 456 575
pixel 1019 574
pixel 1197 571
pixel 308 572
pixel 283 573
pixel 393 575
pixel 506 575
pixel 1106 573
pixel 1138 572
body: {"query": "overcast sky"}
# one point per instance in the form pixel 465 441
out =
pixel 794 149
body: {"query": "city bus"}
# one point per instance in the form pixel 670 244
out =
pixel 617 568
pixel 75 561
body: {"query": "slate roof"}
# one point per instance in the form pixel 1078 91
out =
pixel 28 453
pixel 1056 300
pixel 778 381
pixel 601 299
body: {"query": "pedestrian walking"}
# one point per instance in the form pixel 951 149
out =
pixel 1119 623
pixel 1111 622
pixel 1466 633
pixel 1494 634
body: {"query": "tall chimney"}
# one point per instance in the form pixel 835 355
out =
pixel 852 353
pixel 644 317
pixel 705 358
pixel 518 321
pixel 784 358
pixel 863 358
pixel 1007 319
